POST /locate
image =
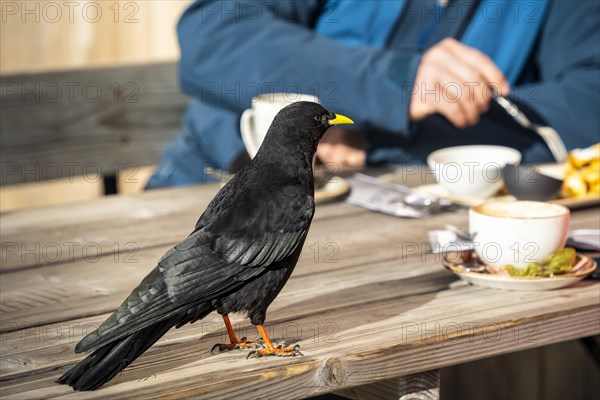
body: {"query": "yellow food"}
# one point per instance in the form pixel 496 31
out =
pixel 582 173
pixel 574 185
pixel 591 173
pixel 580 157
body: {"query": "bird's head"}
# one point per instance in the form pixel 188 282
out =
pixel 306 122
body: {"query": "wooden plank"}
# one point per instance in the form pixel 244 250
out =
pixel 133 180
pixel 155 200
pixel 58 35
pixel 88 123
pixel 66 236
pixel 110 210
pixel 380 312
pixel 569 371
pixel 372 344
pixel 23 342
pixel 95 285
pixel 558 371
pixel 63 191
pixel 404 285
pixel 59 290
pixel 118 219
pixel 422 386
pixel 26 241
pixel 487 379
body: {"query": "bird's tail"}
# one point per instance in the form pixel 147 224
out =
pixel 107 361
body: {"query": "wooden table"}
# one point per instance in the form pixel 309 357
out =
pixel 367 304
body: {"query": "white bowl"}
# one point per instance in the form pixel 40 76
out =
pixel 472 170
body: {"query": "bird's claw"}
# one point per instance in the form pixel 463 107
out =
pixel 258 344
pixel 278 351
pixel 222 347
pixel 242 344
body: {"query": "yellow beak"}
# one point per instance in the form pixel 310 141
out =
pixel 340 119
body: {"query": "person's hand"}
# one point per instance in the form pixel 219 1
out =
pixel 342 147
pixel 456 81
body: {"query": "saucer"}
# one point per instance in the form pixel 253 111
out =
pixel 457 262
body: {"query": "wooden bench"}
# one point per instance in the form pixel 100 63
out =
pixel 75 135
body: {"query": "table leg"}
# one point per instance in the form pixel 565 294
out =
pixel 421 386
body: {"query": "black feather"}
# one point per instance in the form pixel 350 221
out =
pixel 106 362
pixel 239 256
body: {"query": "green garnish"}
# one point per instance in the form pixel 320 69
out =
pixel 560 262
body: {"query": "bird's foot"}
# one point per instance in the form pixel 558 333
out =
pixel 278 351
pixel 243 344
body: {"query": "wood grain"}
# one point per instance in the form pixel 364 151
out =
pixel 374 349
pixel 61 35
pixel 558 371
pixel 382 311
pixel 421 386
pixel 64 132
pixel 87 123
pixel 39 194
pixel 131 220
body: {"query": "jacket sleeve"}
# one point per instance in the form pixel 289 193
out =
pixel 234 50
pixel 567 96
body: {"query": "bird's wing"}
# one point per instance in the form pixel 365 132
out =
pixel 247 235
pixel 227 248
pixel 185 278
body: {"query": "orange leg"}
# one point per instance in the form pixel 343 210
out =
pixel 235 342
pixel 271 349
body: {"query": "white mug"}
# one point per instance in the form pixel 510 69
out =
pixel 517 232
pixel 255 121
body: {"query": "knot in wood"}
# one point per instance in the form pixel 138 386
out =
pixel 333 372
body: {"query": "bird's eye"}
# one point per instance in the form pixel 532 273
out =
pixel 318 118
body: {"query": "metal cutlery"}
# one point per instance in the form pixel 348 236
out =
pixel 549 135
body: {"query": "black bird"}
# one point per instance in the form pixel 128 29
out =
pixel 238 258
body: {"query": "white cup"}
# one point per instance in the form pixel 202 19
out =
pixel 517 232
pixel 474 171
pixel 256 121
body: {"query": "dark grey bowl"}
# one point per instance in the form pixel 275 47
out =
pixel 525 182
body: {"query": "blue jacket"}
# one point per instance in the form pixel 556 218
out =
pixel 234 50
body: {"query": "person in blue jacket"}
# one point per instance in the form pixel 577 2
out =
pixel 415 75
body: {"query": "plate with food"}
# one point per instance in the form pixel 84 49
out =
pixel 560 269
pixel 580 175
pixel 580 186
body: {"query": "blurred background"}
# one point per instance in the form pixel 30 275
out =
pixel 84 34
pixel 89 97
